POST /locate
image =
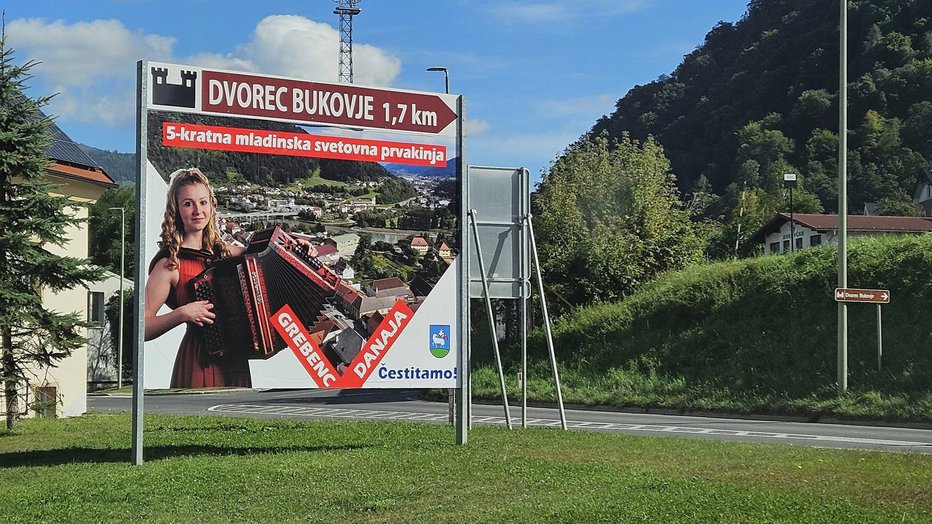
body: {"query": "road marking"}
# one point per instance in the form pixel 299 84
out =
pixel 368 414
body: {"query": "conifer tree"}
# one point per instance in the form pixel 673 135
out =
pixel 32 336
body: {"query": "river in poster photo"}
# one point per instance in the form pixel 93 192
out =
pixel 349 242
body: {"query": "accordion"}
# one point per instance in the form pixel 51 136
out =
pixel 247 290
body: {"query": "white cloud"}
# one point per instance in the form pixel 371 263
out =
pixel 476 127
pixel 583 107
pixel 84 53
pixel 295 46
pixel 91 65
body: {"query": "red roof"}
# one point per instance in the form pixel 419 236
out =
pixel 325 249
pixel 387 283
pixel 94 175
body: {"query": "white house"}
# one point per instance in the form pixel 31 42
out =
pixel 101 355
pixel 420 245
pixel 922 196
pixel 815 230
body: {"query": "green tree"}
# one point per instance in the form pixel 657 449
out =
pixel 897 204
pixel 126 331
pixel 106 230
pixel 31 218
pixel 395 189
pixel 609 219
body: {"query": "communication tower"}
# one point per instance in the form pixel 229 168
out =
pixel 347 9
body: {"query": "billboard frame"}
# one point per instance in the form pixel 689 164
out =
pixel 460 304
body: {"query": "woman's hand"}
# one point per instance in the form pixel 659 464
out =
pixel 311 250
pixel 198 312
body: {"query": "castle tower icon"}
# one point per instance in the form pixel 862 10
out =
pixel 178 95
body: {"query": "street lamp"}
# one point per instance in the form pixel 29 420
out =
pixel 446 77
pixel 451 394
pixel 122 259
pixel 789 182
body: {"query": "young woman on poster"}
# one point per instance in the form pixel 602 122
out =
pixel 190 240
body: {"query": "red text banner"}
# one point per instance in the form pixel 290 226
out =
pixel 307 352
pixel 314 102
pixel 377 346
pixel 221 138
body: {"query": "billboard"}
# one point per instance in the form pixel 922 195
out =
pixel 298 234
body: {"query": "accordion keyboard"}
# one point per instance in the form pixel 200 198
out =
pixel 211 332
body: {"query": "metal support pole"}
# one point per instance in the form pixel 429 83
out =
pixel 843 196
pixel 138 342
pixel 488 306
pixel 524 329
pixel 543 307
pixel 879 339
pixel 792 224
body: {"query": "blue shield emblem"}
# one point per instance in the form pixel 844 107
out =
pixel 439 340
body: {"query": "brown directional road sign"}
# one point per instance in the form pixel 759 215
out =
pixel 874 296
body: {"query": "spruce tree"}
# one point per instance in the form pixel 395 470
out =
pixel 32 217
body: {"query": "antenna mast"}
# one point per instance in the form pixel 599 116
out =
pixel 347 9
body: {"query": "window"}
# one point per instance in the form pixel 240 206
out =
pixel 95 308
pixel 799 243
pixel 815 240
pixel 786 246
pixel 46 405
pixel 774 247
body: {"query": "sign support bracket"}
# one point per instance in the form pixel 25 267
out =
pixel 543 306
pixel 488 306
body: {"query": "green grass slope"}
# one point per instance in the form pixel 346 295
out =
pixel 753 336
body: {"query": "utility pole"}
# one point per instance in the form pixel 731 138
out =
pixel 843 196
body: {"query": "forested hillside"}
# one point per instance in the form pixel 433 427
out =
pixel 121 167
pixel 759 98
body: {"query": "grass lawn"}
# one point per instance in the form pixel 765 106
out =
pixel 218 469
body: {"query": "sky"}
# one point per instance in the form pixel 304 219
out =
pixel 536 75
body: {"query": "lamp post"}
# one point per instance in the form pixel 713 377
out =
pixel 451 394
pixel 122 260
pixel 446 77
pixel 789 182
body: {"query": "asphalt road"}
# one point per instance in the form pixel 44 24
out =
pixel 407 405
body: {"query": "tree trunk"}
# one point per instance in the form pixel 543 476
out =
pixel 11 383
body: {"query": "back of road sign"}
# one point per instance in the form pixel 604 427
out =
pixel 501 198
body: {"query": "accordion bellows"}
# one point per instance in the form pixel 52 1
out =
pixel 247 290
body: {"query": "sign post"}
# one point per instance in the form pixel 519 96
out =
pixel 789 182
pixel 869 296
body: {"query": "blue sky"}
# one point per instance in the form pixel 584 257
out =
pixel 536 74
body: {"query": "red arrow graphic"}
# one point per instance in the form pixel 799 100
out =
pixel 320 103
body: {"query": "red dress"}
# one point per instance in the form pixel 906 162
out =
pixel 194 366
